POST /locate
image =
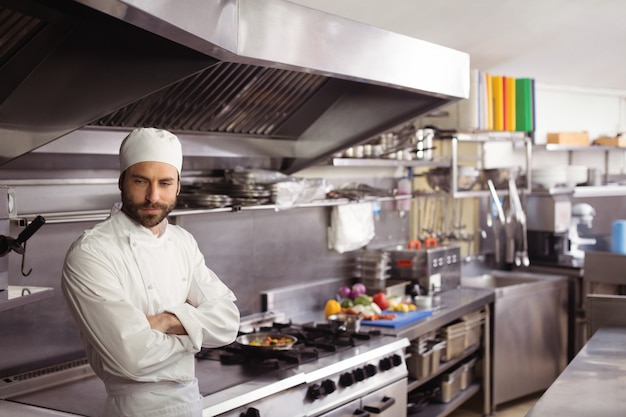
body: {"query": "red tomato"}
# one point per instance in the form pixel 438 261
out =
pixel 381 300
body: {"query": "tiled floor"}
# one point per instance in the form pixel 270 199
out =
pixel 517 408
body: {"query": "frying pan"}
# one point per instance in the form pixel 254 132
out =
pixel 247 341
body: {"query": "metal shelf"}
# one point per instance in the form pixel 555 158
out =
pixel 491 136
pixel 600 191
pixel 416 383
pixel 554 147
pixel 99 215
pixel 571 149
pixel 381 162
pixel 17 296
pixel 440 409
pixel 486 137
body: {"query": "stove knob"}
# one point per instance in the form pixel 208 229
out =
pixel 251 412
pixel 345 380
pixel 314 392
pixel 359 374
pixel 396 359
pixel 385 364
pixel 370 370
pixel 329 386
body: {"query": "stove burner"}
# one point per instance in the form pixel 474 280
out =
pixel 314 340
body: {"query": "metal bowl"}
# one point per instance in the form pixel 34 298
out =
pixel 439 178
pixel 500 177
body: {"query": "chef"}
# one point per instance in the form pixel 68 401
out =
pixel 141 294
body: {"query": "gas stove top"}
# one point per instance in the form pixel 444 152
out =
pixel 313 340
pixel 232 377
pixel 323 369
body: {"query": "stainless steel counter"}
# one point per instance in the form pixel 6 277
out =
pixel 85 396
pixel 453 304
pixel 593 384
pixel 11 409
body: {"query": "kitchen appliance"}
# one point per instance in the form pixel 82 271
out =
pixel 236 79
pixel 325 372
pixel 363 370
pixel 433 269
pixel 582 213
pixel 548 221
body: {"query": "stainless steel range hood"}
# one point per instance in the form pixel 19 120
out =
pixel 276 83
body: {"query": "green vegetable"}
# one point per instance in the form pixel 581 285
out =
pixel 363 300
pixel 347 303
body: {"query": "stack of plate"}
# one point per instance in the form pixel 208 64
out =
pixel 373 269
pixel 196 200
pixel 221 193
pixel 549 177
pixel 576 175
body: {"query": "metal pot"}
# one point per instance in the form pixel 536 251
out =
pixel 256 341
pixel 423 142
pixel 438 178
pixel 345 322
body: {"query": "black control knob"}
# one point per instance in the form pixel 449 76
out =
pixel 329 386
pixel 314 392
pixel 345 380
pixel 251 412
pixel 385 364
pixel 396 360
pixel 359 374
pixel 370 370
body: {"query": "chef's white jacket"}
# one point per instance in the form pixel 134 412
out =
pixel 117 273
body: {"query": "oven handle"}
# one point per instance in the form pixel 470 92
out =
pixel 380 406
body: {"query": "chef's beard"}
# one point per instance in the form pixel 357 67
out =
pixel 147 220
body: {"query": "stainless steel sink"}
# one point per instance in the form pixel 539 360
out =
pixel 506 281
pixel 529 333
pixel 496 281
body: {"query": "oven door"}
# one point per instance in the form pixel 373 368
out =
pixel 350 409
pixel 389 401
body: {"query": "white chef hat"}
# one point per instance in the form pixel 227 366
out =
pixel 150 144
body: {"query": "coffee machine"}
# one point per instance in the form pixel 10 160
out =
pixel 548 218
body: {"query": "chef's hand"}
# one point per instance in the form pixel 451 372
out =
pixel 166 323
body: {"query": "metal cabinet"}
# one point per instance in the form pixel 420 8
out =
pixel 454 305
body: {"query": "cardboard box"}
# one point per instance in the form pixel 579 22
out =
pixel 569 138
pixel 619 141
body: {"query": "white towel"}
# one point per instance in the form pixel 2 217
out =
pixel 351 226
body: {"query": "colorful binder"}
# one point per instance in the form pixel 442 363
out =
pixel 524 105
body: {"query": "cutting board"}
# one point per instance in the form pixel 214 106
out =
pixel 401 319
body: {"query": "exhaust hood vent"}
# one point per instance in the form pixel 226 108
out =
pixel 226 98
pixel 268 80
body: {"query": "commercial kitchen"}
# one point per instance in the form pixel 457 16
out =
pixel 311 164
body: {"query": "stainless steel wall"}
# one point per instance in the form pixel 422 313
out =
pixel 251 250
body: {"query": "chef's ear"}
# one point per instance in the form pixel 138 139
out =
pixel 178 190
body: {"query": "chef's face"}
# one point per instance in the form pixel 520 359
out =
pixel 149 191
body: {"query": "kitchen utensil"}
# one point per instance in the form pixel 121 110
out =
pixel 8 243
pixel 423 142
pixel 497 225
pixel 438 178
pixel 521 219
pixel 256 341
pixel 499 176
pixel 345 322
